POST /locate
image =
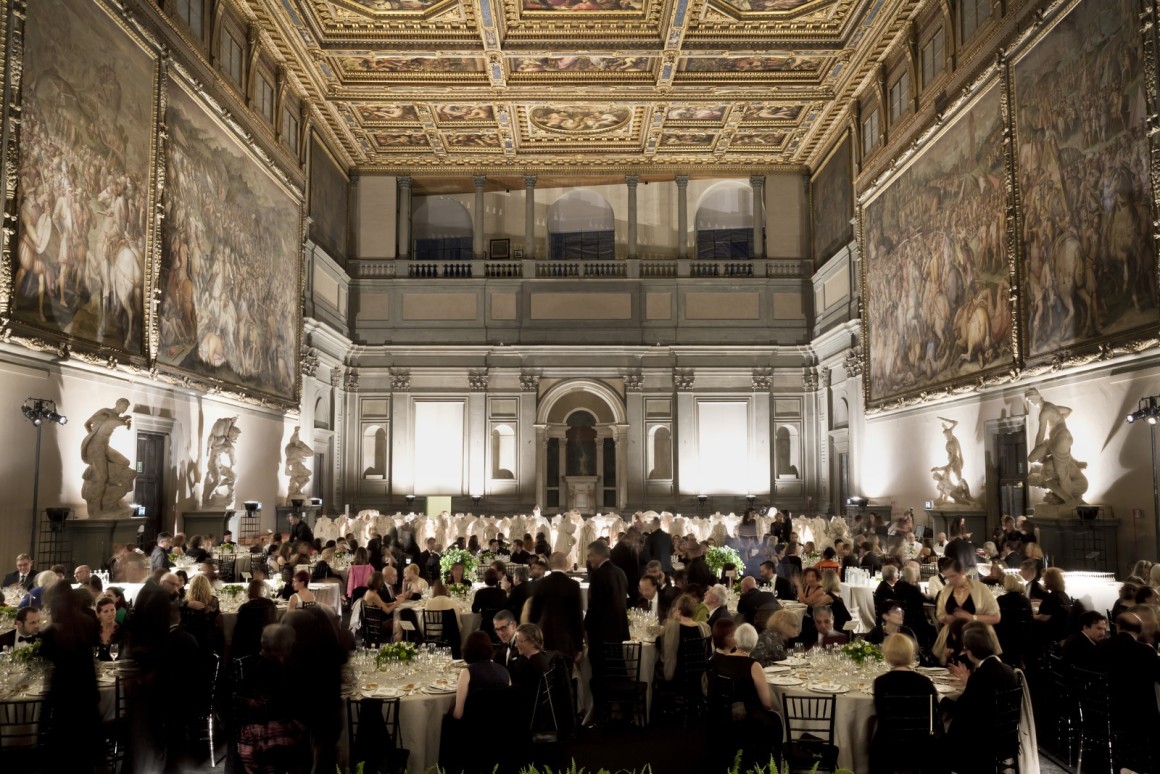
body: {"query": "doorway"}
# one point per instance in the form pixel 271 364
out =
pixel 1006 468
pixel 149 488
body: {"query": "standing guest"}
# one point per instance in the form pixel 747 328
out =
pixel 697 568
pixel 429 561
pixel 271 739
pixel 299 530
pixel 1030 571
pixel 159 559
pixel 22 575
pixel 972 710
pixel 658 546
pixel 963 598
pixel 557 608
pixel 1014 619
pixel 71 697
pixel 607 617
pixel 961 547
pixel 909 595
pixel 520 591
pixel 626 555
pixel 320 653
pixel 27 630
pixel 899 652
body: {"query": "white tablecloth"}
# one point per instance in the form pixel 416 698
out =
pixel 860 602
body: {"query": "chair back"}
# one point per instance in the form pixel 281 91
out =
pixel 693 656
pixel 812 715
pixel 621 661
pixel 372 729
pixel 1003 738
pixel 20 724
pixel 433 624
pixel 372 625
pixel 1093 699
pixel 902 718
pixel 722 693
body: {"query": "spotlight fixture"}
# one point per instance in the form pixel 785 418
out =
pixel 1147 409
pixel 860 502
pixel 37 410
pixel 751 499
pixel 410 500
pixel 252 508
pixel 475 500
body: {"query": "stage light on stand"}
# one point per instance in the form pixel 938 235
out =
pixel 1149 409
pixel 36 410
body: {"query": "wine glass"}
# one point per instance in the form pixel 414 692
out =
pixel 114 649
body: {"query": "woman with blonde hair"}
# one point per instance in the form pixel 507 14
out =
pixel 832 586
pixel 679 627
pixel 773 643
pixel 1055 609
pixel 200 614
pixel 413 583
pixel 886 754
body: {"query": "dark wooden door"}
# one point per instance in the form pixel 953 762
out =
pixel 149 489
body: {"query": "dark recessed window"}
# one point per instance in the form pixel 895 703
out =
pixel 583 246
pixel 932 58
pixel 724 244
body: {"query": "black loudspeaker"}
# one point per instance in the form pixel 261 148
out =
pixel 1087 512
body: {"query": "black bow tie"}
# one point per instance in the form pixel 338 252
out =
pixel 21 638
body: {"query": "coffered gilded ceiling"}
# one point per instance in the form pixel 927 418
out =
pixel 571 85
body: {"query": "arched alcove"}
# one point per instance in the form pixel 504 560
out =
pixel 503 451
pixel 660 453
pixel 442 230
pixel 724 221
pixel 374 451
pixel 581 226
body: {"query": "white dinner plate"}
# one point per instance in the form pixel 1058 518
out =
pixel 932 670
pixel 434 690
pixel 775 680
pixel 458 663
pixel 774 669
pixel 383 692
pixel 828 688
pixel 945 688
pixel 794 661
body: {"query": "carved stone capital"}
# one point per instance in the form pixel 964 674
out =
pixel 810 380
pixel 336 377
pixel 350 382
pixel 762 379
pixel 529 382
pixel 684 379
pixel 477 380
pixel 400 380
pixel 309 361
pixel 853 362
pixel 825 375
pixel 634 381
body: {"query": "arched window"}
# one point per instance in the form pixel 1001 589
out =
pixel 724 222
pixel 442 229
pixel 322 412
pixel 581 226
pixel 503 452
pixel 660 454
pixel 374 451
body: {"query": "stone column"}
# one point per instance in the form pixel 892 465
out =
pixel 758 183
pixel 529 217
pixel 405 217
pixel 477 249
pixel 631 181
pixel 682 216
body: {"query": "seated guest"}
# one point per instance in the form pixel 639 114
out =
pixel 195 551
pixel 909 595
pixel 457 575
pixel 829 560
pixel 1015 615
pixel 773 644
pixel 782 587
pixel 413 585
pixel 994 576
pixel 962 598
pixel 1147 616
pixel 504 624
pixel 302 596
pixel 359 572
pixel 1125 600
pixel 1133 669
pixel 22 576
pixel 1079 650
pixel 715 599
pixel 379 593
pixel 254 615
pixel 891 620
pixel 482 672
pixel 528 670
pixel 753 603
pixel 36 597
pixel 833 588
pixel 200 615
pixel 27 630
pixel 270 737
pixel 117 594
pixel 1141 572
pixel 441 600
pixel 82 574
pixel 886 754
pixel 884 592
pixel 109 634
pixel 652 599
pixel 678 627
pixel 809 588
pixel 1055 608
pixel 1029 571
pixel 965 740
pixel 752 698
pixel 491 596
pixel 826 634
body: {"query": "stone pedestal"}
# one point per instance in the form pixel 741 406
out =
pixel 93 539
pixel 210 522
pixel 941 518
pixel 1081 544
pixel 282 517
pixel 582 494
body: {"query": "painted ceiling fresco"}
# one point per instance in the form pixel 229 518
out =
pixel 571 84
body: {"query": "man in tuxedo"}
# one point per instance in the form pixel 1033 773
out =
pixel 27 630
pixel 826 635
pixel 228 539
pixel 607 618
pixel 520 591
pixel 782 588
pixel 429 562
pixel 519 555
pixel 1133 669
pixel 505 629
pixel 715 598
pixel 300 530
pixel 557 608
pixel 753 600
pixel 867 559
pixel 698 569
pixel 658 546
pixel 652 599
pixel 846 559
pixel 885 591
pixel 1079 650
pixel 22 576
pixel 967 736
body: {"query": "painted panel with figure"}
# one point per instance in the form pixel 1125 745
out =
pixel 937 270
pixel 328 201
pixel 1082 164
pixel 231 264
pixel 85 189
pixel 832 202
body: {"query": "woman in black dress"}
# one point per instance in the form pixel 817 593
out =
pixel 890 622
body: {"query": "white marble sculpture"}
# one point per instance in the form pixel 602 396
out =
pixel 952 487
pixel 220 478
pixel 1052 466
pixel 296 453
pixel 109 476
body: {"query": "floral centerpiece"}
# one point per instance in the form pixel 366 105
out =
pixel 28 655
pixel 454 556
pixel 395 652
pixel 486 557
pixel 231 591
pixel 860 651
pixel 227 548
pixel 810 559
pixel 7 618
pixel 460 590
pixel 719 556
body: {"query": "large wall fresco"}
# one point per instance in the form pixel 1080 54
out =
pixel 328 201
pixel 832 203
pixel 936 270
pixel 230 274
pixel 84 189
pixel 1088 262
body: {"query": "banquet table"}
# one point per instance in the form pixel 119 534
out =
pixel 860 602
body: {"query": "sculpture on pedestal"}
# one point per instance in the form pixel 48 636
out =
pixel 1052 466
pixel 219 468
pixel 109 476
pixel 296 452
pixel 952 488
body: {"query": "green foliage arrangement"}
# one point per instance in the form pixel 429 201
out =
pixel 860 651
pixel 719 556
pixel 395 652
pixel 453 556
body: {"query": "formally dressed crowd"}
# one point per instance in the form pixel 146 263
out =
pixel 1011 626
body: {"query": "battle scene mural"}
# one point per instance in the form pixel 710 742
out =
pixel 231 259
pixel 1082 164
pixel 937 278
pixel 84 177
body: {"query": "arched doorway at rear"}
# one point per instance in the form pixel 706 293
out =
pixel 580 425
